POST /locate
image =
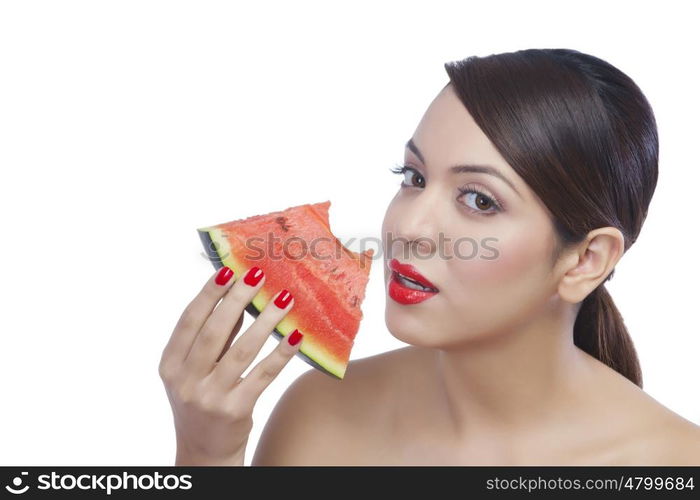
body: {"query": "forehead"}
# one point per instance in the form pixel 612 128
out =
pixel 448 135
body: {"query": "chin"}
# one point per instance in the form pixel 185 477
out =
pixel 412 330
pixel 430 334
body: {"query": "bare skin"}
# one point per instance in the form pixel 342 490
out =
pixel 389 410
pixel 201 368
pixel 492 375
pixel 605 419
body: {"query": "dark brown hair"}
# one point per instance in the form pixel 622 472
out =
pixel 583 136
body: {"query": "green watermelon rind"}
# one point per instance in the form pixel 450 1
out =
pixel 306 352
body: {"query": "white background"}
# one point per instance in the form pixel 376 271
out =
pixel 124 126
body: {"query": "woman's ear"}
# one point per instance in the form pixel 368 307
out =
pixel 590 263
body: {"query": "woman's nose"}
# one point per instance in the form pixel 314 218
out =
pixel 416 225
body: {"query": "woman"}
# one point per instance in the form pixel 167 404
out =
pixel 525 182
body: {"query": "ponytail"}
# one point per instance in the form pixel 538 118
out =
pixel 600 331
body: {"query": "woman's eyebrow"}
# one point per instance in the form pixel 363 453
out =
pixel 412 146
pixel 458 169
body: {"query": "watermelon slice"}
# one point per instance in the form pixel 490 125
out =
pixel 297 251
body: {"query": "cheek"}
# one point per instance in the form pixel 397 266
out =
pixel 503 256
pixel 503 283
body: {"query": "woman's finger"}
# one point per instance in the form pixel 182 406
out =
pixel 193 317
pixel 246 348
pixel 215 331
pixel 248 390
pixel 235 330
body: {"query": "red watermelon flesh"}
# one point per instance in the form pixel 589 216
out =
pixel 297 251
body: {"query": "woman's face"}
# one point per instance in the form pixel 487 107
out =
pixel 488 254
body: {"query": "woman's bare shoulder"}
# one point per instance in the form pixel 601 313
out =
pixel 685 444
pixel 368 382
pixel 660 436
pixel 321 420
pixel 676 439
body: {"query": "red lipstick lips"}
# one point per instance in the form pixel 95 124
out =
pixel 407 285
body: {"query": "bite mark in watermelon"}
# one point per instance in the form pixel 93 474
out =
pixel 297 251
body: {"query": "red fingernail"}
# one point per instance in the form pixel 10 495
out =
pixel 253 276
pixel 224 275
pixel 295 337
pixel 283 299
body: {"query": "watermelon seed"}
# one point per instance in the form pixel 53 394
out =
pixel 282 221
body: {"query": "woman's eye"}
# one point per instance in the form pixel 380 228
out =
pixel 479 202
pixel 411 178
pixel 414 178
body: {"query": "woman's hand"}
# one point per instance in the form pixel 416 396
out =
pixel 212 405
